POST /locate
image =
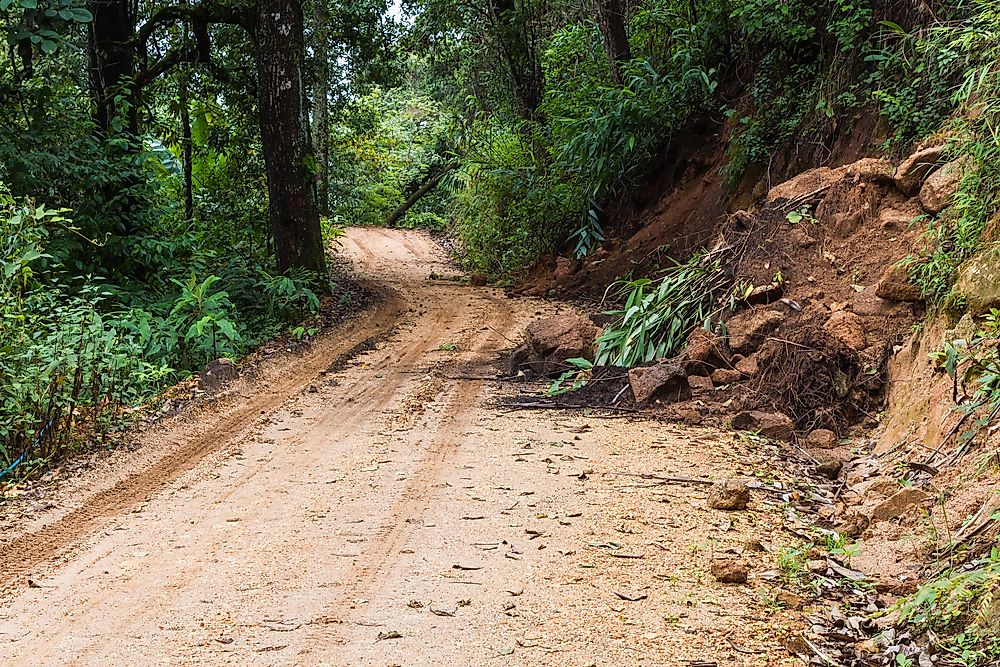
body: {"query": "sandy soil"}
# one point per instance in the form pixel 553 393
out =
pixel 392 512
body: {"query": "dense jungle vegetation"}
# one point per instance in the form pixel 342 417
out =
pixel 172 172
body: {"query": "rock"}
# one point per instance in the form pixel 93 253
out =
pixel 979 282
pixel 848 328
pixel 479 279
pixel 901 215
pixel 769 424
pixel 821 438
pixel 665 381
pixel 829 469
pixel 724 376
pixel 729 495
pixel 553 340
pixel 899 504
pixel 895 285
pixel 911 172
pixel 689 416
pixel 700 383
pixel 789 599
pixel 729 571
pixel 765 294
pixel 704 351
pixel 518 359
pixel 217 374
pixel 748 366
pixel 871 169
pixel 747 330
pixel 941 186
pixel 852 524
pixel 805 183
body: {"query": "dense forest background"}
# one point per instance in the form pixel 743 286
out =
pixel 172 174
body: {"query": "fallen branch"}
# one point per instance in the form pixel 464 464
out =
pixel 667 480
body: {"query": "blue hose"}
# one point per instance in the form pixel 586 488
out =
pixel 20 459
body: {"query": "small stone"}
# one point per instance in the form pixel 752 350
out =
pixel 816 566
pixel 772 425
pixel 830 469
pixel 700 382
pixel 821 438
pixel 724 376
pixel 729 571
pixel 748 366
pixel 853 524
pixel 848 328
pixel 689 416
pixel 789 599
pixel 895 285
pixel 731 494
pixel 899 504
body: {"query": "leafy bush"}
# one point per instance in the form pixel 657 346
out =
pixel 65 367
pixel 658 315
pixel 971 48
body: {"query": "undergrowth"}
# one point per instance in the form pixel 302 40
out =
pixel 79 352
pixel 960 611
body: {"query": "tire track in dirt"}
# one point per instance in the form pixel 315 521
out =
pixel 21 555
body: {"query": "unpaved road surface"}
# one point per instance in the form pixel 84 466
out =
pixel 382 508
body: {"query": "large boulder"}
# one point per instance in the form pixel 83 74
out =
pixel 747 330
pixel 665 381
pixel 810 182
pixel 979 282
pixel 914 170
pixel 553 340
pixel 941 186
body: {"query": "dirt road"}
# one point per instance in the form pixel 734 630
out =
pixel 387 512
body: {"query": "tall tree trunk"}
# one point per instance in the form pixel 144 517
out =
pixel 515 30
pixel 111 55
pixel 187 149
pixel 321 114
pixel 284 129
pixel 611 18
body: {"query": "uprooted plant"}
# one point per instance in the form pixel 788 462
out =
pixel 659 313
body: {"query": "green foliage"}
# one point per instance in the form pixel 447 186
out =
pixel 384 145
pixel 658 315
pixel 959 607
pixel 971 49
pixel 577 377
pixel 65 366
pixel 975 364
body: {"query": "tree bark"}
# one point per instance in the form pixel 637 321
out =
pixel 111 56
pixel 321 114
pixel 611 19
pixel 187 149
pixel 284 129
pixel 515 32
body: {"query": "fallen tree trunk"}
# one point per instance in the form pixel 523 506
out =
pixel 428 185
